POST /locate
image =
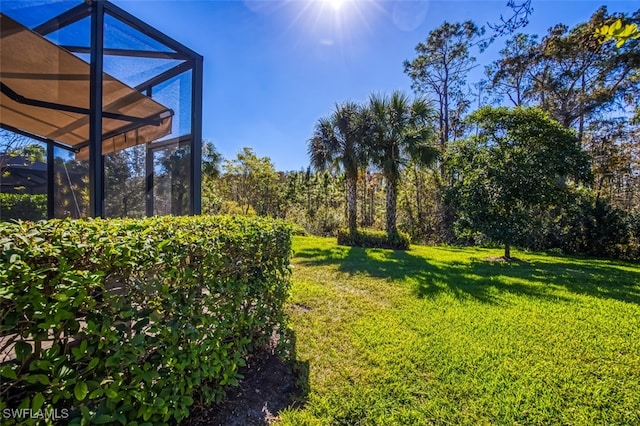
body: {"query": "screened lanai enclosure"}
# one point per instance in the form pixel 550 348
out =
pixel 100 113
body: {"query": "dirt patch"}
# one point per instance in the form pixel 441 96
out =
pixel 302 308
pixel 503 259
pixel 269 385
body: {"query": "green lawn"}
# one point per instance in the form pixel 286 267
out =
pixel 439 335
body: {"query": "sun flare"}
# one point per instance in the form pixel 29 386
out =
pixel 336 5
pixel 332 23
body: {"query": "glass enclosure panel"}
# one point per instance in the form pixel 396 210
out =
pixel 171 179
pixel 119 35
pixel 147 165
pixel 134 71
pixel 134 67
pixel 172 156
pixel 175 93
pixel 77 34
pixel 32 13
pixel 125 182
pixel 71 185
pixel 23 178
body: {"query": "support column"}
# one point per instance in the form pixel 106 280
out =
pixel 50 181
pixel 195 199
pixel 149 197
pixel 96 161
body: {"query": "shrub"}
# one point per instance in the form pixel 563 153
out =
pixel 325 221
pixel 593 227
pixel 297 229
pixel 115 321
pixel 231 207
pixel 371 238
pixel 588 225
pixel 23 206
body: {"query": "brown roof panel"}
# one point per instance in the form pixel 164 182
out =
pixel 45 91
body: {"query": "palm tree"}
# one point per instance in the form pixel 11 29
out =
pixel 403 131
pixel 336 142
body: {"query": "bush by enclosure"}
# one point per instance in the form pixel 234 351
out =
pixel 371 238
pixel 133 321
pixel 23 206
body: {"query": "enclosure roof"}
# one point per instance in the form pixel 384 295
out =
pixel 45 92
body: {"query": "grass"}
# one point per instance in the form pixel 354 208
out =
pixel 442 336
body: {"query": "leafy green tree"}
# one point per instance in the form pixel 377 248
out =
pixel 11 145
pixel 579 77
pixel 314 201
pixel 71 187
pixel 570 73
pixel 420 205
pixel 211 162
pixel 511 75
pixel 402 132
pixel 440 70
pixel 337 142
pixel 371 182
pixel 253 183
pixel 519 160
pixel 35 152
pixel 173 181
pixel 614 146
pixel 619 32
pixel 125 186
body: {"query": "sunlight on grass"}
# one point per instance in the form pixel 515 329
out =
pixel 440 335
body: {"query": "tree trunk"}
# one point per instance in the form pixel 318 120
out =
pixel 352 197
pixel 391 206
pixel 507 251
pixel 372 194
pixel 581 118
pixel 442 135
pixel 363 201
pixel 420 214
pixel 446 110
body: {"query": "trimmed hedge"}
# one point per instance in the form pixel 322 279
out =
pixel 373 239
pixel 23 206
pixel 132 321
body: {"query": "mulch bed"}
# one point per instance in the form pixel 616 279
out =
pixel 269 385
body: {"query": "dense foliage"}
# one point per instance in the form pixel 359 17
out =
pixel 23 206
pixel 401 132
pixel 518 161
pixel 339 142
pixel 135 320
pixel 618 31
pixel 373 239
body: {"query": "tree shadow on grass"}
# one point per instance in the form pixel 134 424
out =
pixel 486 281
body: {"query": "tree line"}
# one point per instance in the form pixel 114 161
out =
pixel 542 153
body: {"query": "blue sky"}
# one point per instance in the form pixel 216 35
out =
pixel 273 68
